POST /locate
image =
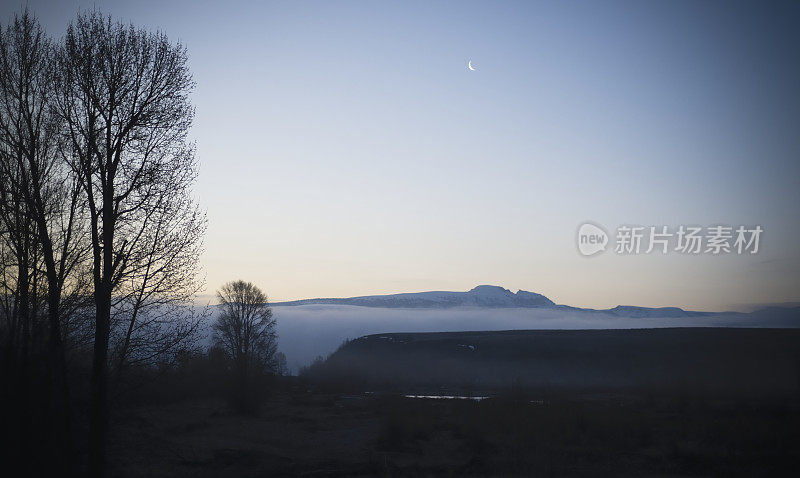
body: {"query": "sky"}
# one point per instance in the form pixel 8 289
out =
pixel 345 148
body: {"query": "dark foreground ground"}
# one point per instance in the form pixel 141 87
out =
pixel 302 433
pixel 669 402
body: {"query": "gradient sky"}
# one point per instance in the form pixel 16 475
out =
pixel 346 150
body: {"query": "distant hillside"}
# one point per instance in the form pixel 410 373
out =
pixel 692 360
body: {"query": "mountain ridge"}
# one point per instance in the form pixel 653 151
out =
pixel 490 296
pixel 480 296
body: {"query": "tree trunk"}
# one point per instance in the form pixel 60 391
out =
pixel 98 431
pixel 59 392
pixel 104 272
pixel 24 363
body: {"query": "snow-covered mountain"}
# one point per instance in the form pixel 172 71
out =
pixel 481 296
pixel 492 296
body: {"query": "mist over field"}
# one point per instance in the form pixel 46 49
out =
pixel 308 331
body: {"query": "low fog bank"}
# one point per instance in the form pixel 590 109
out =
pixel 308 331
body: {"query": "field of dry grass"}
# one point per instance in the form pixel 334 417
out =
pixel 310 433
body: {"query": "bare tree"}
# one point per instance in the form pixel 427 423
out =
pixel 40 204
pixel 152 314
pixel 123 95
pixel 245 331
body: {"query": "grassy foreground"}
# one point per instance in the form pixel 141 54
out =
pixel 307 433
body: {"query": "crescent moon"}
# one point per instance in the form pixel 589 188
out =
pixel 469 65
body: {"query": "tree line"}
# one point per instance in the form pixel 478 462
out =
pixel 99 234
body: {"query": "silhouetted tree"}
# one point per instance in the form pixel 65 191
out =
pixel 245 331
pixel 123 97
pixel 41 209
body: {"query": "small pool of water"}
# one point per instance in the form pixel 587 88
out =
pixel 446 397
